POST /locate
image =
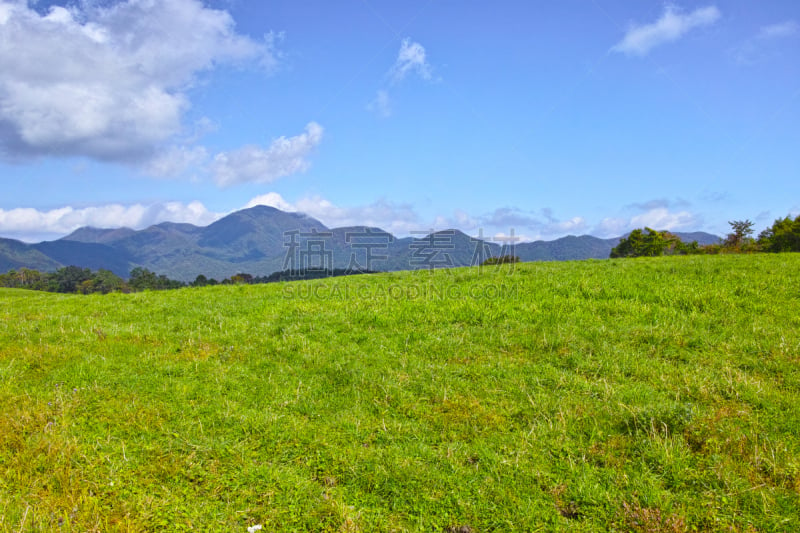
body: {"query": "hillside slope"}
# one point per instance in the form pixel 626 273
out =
pixel 653 394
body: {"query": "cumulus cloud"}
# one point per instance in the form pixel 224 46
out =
pixel 398 219
pixel 410 59
pixel 30 224
pixel 663 219
pixel 572 226
pixel 533 225
pixel 672 25
pixel 34 224
pixel 271 199
pixel 108 81
pixel 658 218
pixel 256 164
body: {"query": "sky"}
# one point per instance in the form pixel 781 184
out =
pixel 543 119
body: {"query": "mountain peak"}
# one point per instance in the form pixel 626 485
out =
pixel 90 234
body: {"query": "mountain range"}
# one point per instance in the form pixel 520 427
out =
pixel 262 240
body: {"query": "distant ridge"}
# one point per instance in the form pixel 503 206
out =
pixel 261 240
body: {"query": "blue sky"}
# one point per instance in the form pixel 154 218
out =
pixel 545 118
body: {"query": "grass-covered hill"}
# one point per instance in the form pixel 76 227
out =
pixel 628 395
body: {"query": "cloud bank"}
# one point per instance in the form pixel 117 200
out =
pixel 33 224
pixel 400 219
pixel 672 25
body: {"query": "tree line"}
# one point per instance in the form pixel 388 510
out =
pixel 782 236
pixel 76 280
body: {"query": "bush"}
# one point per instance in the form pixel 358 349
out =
pixel 783 236
pixel 501 260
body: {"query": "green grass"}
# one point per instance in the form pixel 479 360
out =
pixel 628 395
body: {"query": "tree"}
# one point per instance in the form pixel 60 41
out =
pixel 200 281
pixel 105 281
pixel 142 279
pixel 652 244
pixel 740 239
pixel 69 279
pixel 783 236
pixel 639 244
pixel 241 278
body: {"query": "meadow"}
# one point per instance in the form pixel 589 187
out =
pixel 651 394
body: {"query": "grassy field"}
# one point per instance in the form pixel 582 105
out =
pixel 630 395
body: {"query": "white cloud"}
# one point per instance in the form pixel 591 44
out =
pixel 381 105
pixel 658 218
pixel 263 165
pixel 662 219
pixel 780 30
pixel 574 225
pixel 764 43
pixel 398 219
pixel 108 82
pixel 510 217
pixel 509 239
pixel 540 225
pixel 410 58
pixel 33 224
pixel 5 12
pixel 271 199
pixel 174 160
pixel 612 227
pixel 672 25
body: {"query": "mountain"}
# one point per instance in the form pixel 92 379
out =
pixel 701 237
pixel 566 249
pixel 16 254
pixel 92 235
pixel 87 255
pixel 262 240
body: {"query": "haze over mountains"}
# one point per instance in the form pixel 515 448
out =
pixel 261 240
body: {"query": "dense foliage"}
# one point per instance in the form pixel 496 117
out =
pixel 782 236
pixel 651 243
pixel 69 279
pixel 73 279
